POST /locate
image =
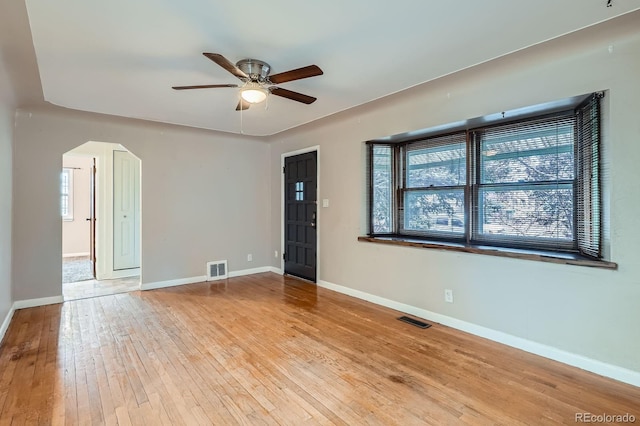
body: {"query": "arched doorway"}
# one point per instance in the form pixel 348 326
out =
pixel 100 208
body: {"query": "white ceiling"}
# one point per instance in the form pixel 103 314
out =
pixel 121 57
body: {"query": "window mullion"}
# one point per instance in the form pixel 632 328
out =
pixel 399 185
pixel 436 188
pixel 371 190
pixel 471 193
pixel 565 183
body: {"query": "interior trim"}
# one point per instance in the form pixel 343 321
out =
pixel 7 320
pixel 32 303
pixel 172 283
pixel 538 255
pixel 503 117
pixel 203 278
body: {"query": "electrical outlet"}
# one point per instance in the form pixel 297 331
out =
pixel 275 254
pixel 448 295
pixel 249 257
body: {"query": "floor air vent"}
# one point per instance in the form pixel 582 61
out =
pixel 216 270
pixel 415 322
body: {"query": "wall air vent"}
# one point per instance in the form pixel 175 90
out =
pixel 217 270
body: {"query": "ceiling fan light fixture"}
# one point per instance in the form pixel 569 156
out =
pixel 257 83
pixel 253 93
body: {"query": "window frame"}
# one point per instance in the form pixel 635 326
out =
pixel 68 172
pixel 471 237
pixel 523 242
pixel 393 189
pixel 404 189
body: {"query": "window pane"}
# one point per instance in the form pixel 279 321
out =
pixel 528 153
pixel 64 182
pixel 437 211
pixel 531 213
pixel 381 216
pixel 64 205
pixel 443 165
pixel 65 187
pixel 299 191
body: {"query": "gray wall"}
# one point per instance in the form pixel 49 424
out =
pixel 586 311
pixel 19 85
pixel 205 196
pixel 6 144
pixel 7 108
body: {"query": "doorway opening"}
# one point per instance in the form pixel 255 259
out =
pixel 100 208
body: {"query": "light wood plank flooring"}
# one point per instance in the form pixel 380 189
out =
pixel 94 288
pixel 266 349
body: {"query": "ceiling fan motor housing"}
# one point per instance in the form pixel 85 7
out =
pixel 256 70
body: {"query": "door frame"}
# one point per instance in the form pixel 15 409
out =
pixel 75 178
pixel 92 218
pixel 284 155
pixel 103 153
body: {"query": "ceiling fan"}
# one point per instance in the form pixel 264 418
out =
pixel 256 81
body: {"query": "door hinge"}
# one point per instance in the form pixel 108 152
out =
pixel 284 256
pixel 284 168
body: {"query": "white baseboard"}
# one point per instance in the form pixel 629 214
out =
pixel 243 272
pixel 173 283
pixel 7 320
pixel 76 254
pixel 193 280
pixel 276 270
pixel 32 303
pixel 608 370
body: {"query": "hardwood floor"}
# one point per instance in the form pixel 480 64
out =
pixel 94 288
pixel 266 349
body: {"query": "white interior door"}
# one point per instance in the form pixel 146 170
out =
pixel 126 212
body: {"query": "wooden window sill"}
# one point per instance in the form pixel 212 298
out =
pixel 538 255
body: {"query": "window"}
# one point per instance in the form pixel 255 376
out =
pixel 433 186
pixel 66 194
pixel 528 184
pixel 299 191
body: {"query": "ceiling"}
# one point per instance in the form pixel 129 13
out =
pixel 121 57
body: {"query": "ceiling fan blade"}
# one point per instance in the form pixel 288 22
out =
pixel 243 105
pixel 294 96
pixel 204 86
pixel 224 63
pixel 297 74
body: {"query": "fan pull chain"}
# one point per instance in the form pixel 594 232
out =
pixel 241 121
